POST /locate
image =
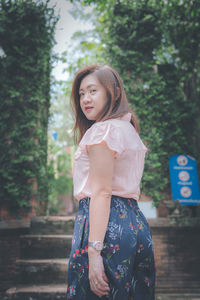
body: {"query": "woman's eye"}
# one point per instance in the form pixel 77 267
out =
pixel 81 94
pixel 93 91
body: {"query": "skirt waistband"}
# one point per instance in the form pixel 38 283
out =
pixel 116 201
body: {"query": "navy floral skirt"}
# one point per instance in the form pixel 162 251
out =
pixel 127 254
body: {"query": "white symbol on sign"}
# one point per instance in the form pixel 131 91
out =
pixel 186 192
pixel 184 176
pixel 182 160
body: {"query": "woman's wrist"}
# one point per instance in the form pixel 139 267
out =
pixel 93 252
pixel 97 245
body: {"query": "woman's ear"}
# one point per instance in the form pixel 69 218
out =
pixel 118 93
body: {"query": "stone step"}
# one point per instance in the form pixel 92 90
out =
pixel 177 296
pixel 37 292
pixel 54 292
pixel 177 286
pixel 45 246
pixel 41 271
pixel 52 224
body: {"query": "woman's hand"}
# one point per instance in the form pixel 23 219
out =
pixel 97 277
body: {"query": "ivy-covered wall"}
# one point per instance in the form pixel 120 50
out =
pixel 26 39
pixel 140 43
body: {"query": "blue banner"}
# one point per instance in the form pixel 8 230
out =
pixel 184 179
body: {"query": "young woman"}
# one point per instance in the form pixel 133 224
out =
pixel 112 251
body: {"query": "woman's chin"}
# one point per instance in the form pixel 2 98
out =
pixel 91 118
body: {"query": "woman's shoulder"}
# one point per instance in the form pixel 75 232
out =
pixel 119 134
pixel 113 126
pixel 122 130
pixel 108 127
pixel 100 128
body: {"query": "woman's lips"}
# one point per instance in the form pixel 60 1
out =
pixel 88 108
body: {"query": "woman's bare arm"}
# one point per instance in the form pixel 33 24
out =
pixel 101 172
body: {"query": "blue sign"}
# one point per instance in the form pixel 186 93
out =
pixel 55 135
pixel 184 179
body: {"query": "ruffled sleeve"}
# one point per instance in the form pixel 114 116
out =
pixel 104 132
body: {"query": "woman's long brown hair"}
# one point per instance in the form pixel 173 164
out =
pixel 117 104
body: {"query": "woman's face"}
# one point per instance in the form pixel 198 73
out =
pixel 93 96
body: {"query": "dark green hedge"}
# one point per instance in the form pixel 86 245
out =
pixel 26 39
pixel 146 42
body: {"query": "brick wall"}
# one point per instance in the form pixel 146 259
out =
pixel 10 232
pixel 177 254
pixel 8 254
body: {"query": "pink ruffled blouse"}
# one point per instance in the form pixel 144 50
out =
pixel 120 136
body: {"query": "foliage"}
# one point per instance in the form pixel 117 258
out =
pixel 60 152
pixel 60 116
pixel 60 176
pixel 182 29
pixel 87 49
pixel 154 45
pixel 26 39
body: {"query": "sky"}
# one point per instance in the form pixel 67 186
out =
pixel 65 28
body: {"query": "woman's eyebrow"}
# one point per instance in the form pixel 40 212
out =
pixel 88 86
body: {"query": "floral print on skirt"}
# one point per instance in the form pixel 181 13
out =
pixel 127 254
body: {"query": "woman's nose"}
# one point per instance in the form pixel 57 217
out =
pixel 86 97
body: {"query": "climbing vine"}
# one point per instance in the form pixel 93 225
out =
pixel 26 39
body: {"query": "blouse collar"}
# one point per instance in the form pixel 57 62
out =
pixel 126 117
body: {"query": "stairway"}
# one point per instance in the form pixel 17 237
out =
pixel 42 268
